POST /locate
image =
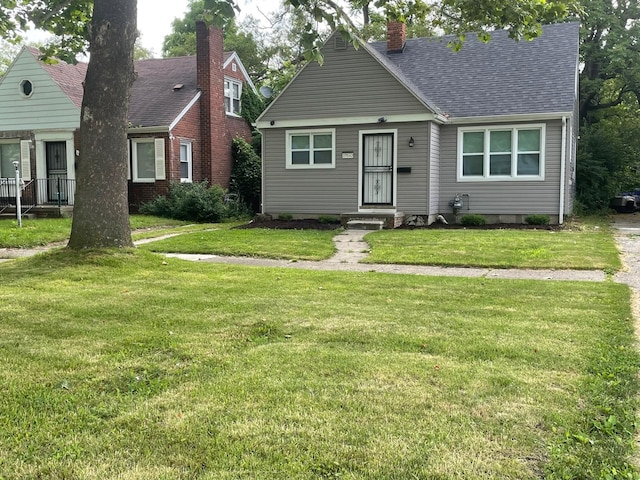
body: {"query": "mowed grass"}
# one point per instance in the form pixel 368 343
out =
pixel 43 231
pixel 253 242
pixel 128 365
pixel 591 248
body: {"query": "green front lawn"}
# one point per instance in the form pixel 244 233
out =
pixel 43 231
pixel 590 248
pixel 254 242
pixel 131 366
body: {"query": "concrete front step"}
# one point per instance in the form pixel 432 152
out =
pixel 360 224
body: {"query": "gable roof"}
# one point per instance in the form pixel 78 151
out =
pixel 502 77
pixel 163 89
pixel 68 77
pixel 154 100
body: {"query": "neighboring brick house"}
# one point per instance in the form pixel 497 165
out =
pixel 183 116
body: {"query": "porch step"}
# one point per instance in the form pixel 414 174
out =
pixel 361 224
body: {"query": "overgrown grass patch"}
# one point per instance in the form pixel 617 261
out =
pixel 128 365
pixel 537 249
pixel 254 242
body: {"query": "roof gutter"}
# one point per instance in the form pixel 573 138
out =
pixel 531 117
pixel 156 129
pixel 563 169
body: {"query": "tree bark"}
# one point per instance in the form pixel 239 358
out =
pixel 101 211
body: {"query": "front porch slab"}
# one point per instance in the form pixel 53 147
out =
pixel 388 219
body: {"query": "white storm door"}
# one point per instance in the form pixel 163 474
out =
pixel 377 169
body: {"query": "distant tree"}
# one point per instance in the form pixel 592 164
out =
pixel 140 52
pixel 182 40
pixel 8 53
pixel 609 149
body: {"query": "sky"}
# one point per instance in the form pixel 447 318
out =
pixel 155 18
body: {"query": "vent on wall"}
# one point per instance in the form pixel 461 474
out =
pixel 339 43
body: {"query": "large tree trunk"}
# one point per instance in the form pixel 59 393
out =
pixel 101 212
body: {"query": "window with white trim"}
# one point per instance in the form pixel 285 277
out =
pixel 311 148
pixel 232 94
pixel 147 158
pixel 501 153
pixel 186 164
pixel 9 153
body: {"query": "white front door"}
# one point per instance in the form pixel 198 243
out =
pixel 377 169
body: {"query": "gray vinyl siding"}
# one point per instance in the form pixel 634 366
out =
pixel 350 83
pixel 311 192
pixel 434 171
pixel 413 187
pixel 502 197
pixel 47 108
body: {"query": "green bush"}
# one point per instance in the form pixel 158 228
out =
pixel 246 174
pixel 285 216
pixel 537 219
pixel 328 219
pixel 473 220
pixel 195 202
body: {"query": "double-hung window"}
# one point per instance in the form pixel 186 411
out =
pixel 311 148
pixel 147 158
pixel 9 153
pixel 186 166
pixel 232 94
pixel 501 153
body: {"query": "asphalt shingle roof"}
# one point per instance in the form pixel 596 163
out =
pixel 154 100
pixel 502 77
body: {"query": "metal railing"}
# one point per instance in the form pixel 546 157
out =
pixel 42 191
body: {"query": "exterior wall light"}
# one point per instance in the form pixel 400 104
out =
pixel 411 142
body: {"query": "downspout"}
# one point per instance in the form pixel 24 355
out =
pixel 563 169
pixel 262 169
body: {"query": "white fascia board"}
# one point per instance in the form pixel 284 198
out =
pixel 53 134
pixel 235 56
pixel 158 129
pixel 322 122
pixel 15 60
pixel 185 110
pixel 264 124
pixel 531 117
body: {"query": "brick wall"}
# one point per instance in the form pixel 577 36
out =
pixel 140 193
pixel 188 129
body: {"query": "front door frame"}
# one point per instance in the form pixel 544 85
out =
pixel 41 138
pixel 371 208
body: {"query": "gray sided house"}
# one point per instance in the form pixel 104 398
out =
pixel 408 130
pixel 183 116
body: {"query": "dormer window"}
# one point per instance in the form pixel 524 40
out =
pixel 232 94
pixel 26 88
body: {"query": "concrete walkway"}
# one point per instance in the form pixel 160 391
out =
pixel 351 248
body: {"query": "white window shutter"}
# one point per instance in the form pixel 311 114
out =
pixel 25 159
pixel 160 170
pixel 128 159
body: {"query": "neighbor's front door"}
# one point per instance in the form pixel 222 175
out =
pixel 56 155
pixel 377 169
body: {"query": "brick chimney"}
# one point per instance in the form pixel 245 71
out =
pixel 396 36
pixel 215 147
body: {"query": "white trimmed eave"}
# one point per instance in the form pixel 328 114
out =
pixel 235 56
pixel 367 120
pixel 186 109
pixel 530 117
pixel 156 129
